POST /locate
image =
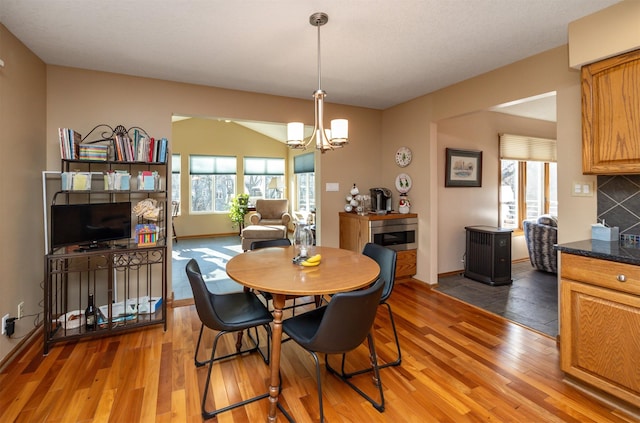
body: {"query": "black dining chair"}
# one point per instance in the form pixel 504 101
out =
pixel 227 313
pixel 386 259
pixel 280 242
pixel 337 328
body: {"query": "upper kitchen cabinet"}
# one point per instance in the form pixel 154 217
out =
pixel 611 115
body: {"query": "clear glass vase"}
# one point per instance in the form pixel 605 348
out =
pixel 302 239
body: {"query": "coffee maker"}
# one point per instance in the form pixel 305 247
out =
pixel 381 200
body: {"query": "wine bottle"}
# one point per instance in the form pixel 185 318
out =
pixel 90 315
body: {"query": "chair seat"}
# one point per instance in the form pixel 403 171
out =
pixel 303 328
pixel 240 310
pixel 254 233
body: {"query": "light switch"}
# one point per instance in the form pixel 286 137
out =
pixel 582 189
pixel 332 186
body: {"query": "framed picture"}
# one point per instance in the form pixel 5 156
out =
pixel 464 168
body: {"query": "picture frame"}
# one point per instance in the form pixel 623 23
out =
pixel 463 169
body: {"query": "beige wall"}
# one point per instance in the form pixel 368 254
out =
pixel 607 33
pixel 81 99
pixel 217 137
pixel 460 207
pixel 22 119
pixel 415 124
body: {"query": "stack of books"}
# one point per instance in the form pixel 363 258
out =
pixel 93 152
pixel 69 142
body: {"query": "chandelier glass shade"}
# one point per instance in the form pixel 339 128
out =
pixel 325 139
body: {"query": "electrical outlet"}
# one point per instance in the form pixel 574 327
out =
pixel 4 323
pixel 20 310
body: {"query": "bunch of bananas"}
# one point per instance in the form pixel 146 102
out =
pixel 312 261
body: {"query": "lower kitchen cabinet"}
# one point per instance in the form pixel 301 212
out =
pixel 600 325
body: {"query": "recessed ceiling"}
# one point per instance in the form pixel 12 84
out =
pixel 375 53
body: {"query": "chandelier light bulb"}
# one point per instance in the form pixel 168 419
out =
pixel 327 139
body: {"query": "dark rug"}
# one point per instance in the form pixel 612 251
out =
pixel 531 300
pixel 212 255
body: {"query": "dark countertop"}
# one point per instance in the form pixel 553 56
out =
pixel 605 250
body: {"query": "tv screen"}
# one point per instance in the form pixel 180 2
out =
pixel 89 225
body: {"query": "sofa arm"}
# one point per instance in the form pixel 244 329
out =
pixel 286 218
pixel 255 218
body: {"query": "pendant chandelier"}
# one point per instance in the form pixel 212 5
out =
pixel 325 139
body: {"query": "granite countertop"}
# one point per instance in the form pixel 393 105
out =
pixel 619 251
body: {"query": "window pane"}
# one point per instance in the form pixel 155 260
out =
pixel 553 189
pixel 206 188
pixel 535 190
pixel 254 185
pixel 305 197
pixel 509 194
pixel 201 193
pixel 225 191
pixel 175 177
pixel 175 187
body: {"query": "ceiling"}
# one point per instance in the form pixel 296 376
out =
pixel 375 53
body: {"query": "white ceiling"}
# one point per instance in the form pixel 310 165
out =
pixel 375 53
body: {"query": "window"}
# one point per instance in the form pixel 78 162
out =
pixel 304 170
pixel 528 174
pixel 213 183
pixel 175 177
pixel 263 178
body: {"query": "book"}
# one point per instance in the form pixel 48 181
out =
pixel 75 139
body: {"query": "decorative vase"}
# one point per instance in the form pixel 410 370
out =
pixel 302 239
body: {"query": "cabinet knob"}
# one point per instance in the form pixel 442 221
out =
pixel 621 278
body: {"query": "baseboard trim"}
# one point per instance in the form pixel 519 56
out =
pixel 26 342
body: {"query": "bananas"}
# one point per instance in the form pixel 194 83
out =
pixel 312 261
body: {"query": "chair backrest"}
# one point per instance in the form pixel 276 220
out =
pixel 347 320
pixel 280 242
pixel 386 259
pixel 202 297
pixel 272 209
pixel 175 208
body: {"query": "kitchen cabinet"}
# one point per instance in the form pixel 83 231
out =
pixel 610 112
pixel 396 229
pixel 599 325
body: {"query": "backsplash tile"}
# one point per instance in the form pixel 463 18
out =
pixel 619 202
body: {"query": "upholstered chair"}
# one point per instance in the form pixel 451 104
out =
pixel 271 212
pixel 540 236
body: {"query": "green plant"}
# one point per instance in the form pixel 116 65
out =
pixel 239 208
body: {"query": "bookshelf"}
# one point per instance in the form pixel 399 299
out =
pixel 127 278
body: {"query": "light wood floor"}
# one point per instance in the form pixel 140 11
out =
pixel 460 364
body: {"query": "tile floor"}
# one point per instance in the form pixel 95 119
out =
pixel 531 300
pixel 212 255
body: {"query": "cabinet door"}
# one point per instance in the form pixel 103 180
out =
pixel 599 342
pixel 610 114
pixel 354 233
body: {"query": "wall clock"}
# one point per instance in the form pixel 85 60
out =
pixel 403 156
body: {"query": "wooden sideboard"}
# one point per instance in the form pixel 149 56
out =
pixel 355 232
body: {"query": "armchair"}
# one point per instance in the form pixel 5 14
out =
pixel 540 236
pixel 271 212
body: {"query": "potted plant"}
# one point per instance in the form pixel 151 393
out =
pixel 238 209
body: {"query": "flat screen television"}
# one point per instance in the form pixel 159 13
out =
pixel 89 225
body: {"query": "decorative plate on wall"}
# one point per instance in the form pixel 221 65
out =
pixel 403 183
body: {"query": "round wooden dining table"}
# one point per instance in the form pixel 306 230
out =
pixel 272 270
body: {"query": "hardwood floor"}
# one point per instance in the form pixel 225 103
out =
pixel 460 364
